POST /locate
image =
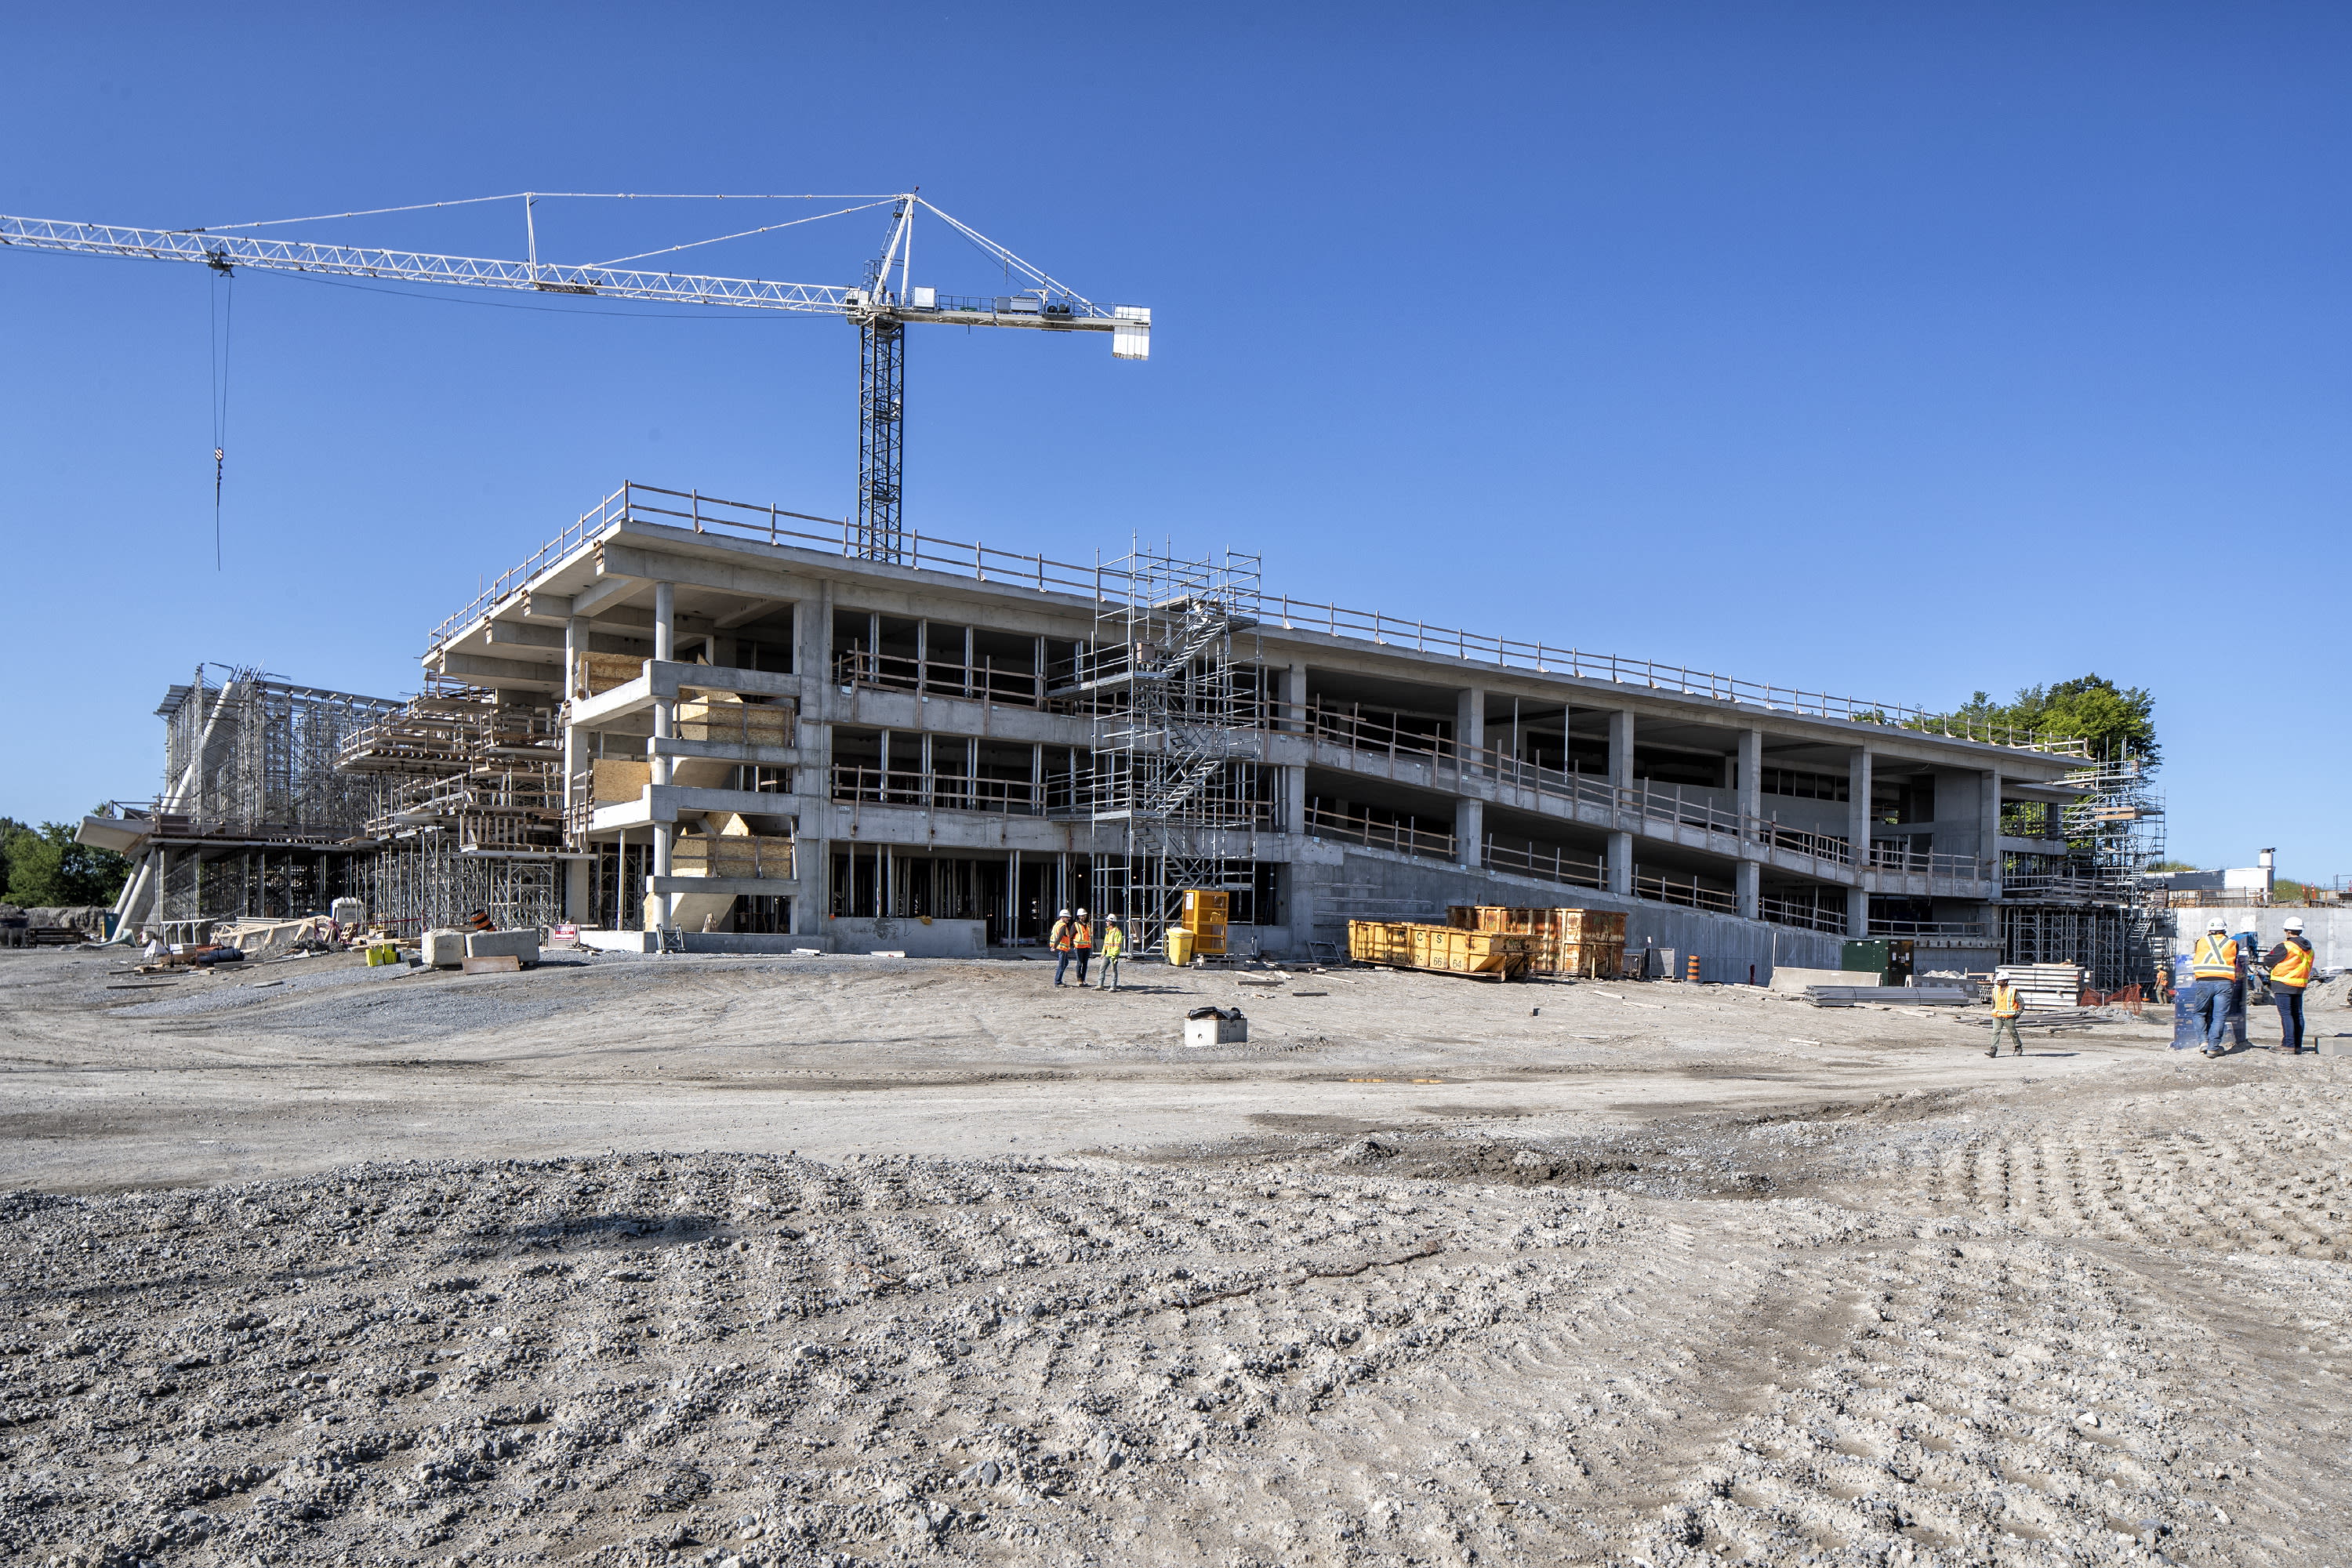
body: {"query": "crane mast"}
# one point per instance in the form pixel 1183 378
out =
pixel 880 309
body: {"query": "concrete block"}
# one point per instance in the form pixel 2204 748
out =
pixel 445 949
pixel 517 944
pixel 2333 1044
pixel 1216 1031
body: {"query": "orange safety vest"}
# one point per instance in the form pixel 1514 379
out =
pixel 1061 937
pixel 2006 1002
pixel 1085 939
pixel 2216 958
pixel 2294 971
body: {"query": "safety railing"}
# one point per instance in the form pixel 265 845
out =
pixel 1893 855
pixel 1804 915
pixel 1671 805
pixel 1915 929
pixel 981 682
pixel 1553 865
pixel 1403 838
pixel 768 525
pixel 1692 894
pixel 946 792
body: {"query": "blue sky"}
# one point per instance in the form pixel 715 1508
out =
pixel 1895 351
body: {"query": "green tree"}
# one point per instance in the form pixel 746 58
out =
pixel 2113 718
pixel 45 866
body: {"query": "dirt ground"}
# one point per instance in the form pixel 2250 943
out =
pixel 735 1261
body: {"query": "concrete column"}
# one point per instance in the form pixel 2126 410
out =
pixel 813 779
pixel 1620 777
pixel 1747 883
pixel 1470 721
pixel 1988 825
pixel 1857 833
pixel 665 710
pixel 1752 775
pixel 575 872
pixel 1857 805
pixel 1470 831
pixel 1621 748
pixel 1294 779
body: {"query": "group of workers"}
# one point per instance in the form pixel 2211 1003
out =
pixel 2218 968
pixel 1073 937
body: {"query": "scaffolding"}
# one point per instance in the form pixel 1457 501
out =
pixel 253 758
pixel 2090 906
pixel 1174 784
pixel 465 810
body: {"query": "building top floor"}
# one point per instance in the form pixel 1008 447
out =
pixel 765 590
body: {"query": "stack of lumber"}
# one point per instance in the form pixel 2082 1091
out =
pixel 2045 987
pixel 1915 995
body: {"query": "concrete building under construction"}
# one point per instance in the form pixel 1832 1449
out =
pixel 728 727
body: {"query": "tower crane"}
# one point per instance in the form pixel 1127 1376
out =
pixel 882 305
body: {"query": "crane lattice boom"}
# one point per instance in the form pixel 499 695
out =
pixel 878 310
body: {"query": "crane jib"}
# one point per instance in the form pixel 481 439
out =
pixel 879 311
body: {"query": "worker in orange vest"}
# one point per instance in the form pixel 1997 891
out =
pixel 1060 939
pixel 1082 944
pixel 2215 962
pixel 2290 966
pixel 2006 1006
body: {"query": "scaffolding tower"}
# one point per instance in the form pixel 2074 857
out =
pixel 2090 906
pixel 251 757
pixel 1173 780
pixel 467 809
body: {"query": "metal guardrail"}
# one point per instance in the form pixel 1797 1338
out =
pixel 1556 866
pixel 744 520
pixel 1967 929
pixel 1807 917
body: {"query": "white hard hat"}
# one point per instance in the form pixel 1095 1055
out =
pixel 1114 920
pixel 1066 914
pixel 2294 923
pixel 1082 914
pixel 2217 923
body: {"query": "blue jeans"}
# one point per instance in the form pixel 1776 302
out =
pixel 2211 1002
pixel 1062 957
pixel 2290 1006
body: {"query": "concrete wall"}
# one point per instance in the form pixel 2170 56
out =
pixel 2329 932
pixel 1726 946
pixel 916 937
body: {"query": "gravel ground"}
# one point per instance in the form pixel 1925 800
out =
pixel 1664 1277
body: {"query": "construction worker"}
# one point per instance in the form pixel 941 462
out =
pixel 2163 982
pixel 2214 997
pixel 1060 939
pixel 2290 966
pixel 1114 948
pixel 1082 944
pixel 2007 1004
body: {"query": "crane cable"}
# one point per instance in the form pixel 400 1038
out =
pixel 217 339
